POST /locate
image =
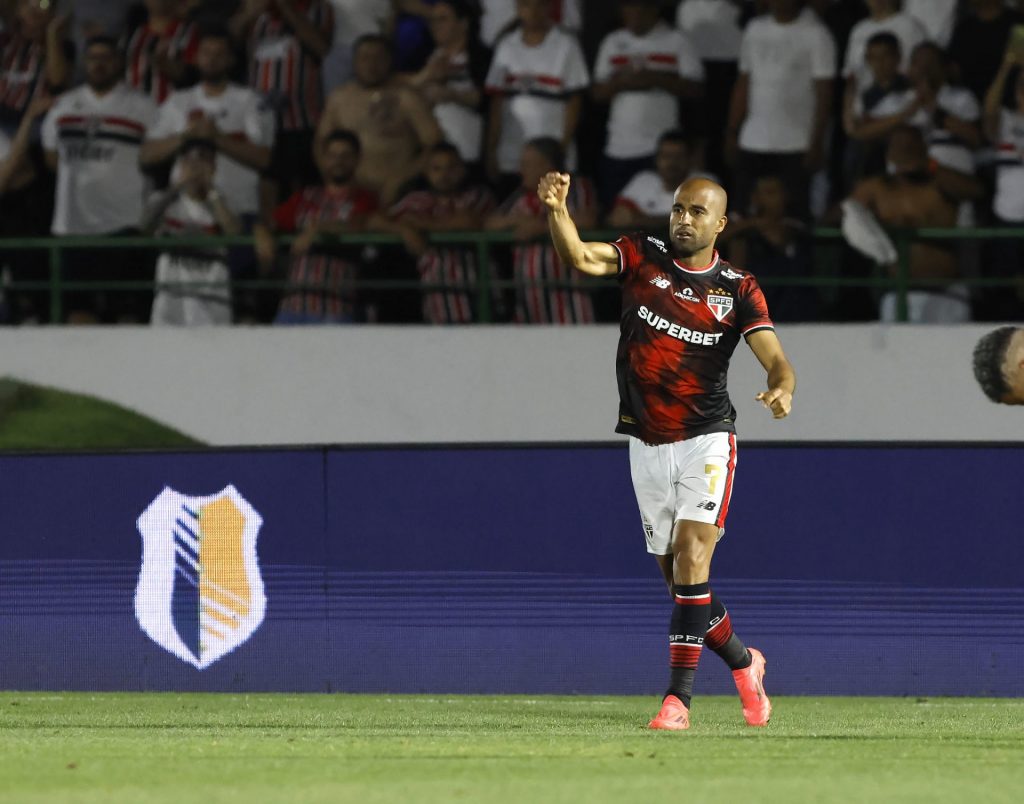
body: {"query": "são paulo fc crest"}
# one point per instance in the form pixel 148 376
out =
pixel 200 594
pixel 720 305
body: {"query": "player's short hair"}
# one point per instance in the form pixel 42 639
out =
pixel 551 149
pixel 444 147
pixel 989 359
pixel 346 136
pixel 216 30
pixel 886 39
pixel 372 39
pixel 676 135
pixel 103 40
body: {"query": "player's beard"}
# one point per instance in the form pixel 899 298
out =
pixel 684 249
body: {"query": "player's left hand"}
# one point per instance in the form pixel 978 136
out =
pixel 777 400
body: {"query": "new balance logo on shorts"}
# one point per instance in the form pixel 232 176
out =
pixel 707 505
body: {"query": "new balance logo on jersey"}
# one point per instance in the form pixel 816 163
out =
pixel 707 505
pixel 676 331
pixel 721 306
pixel 659 244
pixel 686 295
pixel 661 282
pixel 729 273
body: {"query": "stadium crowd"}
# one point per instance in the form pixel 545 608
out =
pixel 317 118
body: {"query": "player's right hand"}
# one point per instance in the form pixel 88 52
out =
pixel 553 190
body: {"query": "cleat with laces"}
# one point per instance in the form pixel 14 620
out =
pixel 674 716
pixel 757 709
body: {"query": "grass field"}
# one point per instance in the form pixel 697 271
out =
pixel 342 748
pixel 33 417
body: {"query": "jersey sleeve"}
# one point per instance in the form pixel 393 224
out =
pixel 690 65
pixel 751 308
pixel 259 121
pixel 823 56
pixel 630 253
pixel 168 120
pixel 495 81
pixel 576 76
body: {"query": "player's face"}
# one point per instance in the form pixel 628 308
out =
pixel 672 162
pixel 698 215
pixel 785 8
pixel 770 197
pixel 906 152
pixel 34 16
pixel 532 167
pixel 445 26
pixel 533 14
pixel 101 67
pixel 639 17
pixel 338 162
pixel 445 172
pixel 883 61
pixel 213 59
pixel 1013 369
pixel 372 64
pixel 925 65
pixel 881 6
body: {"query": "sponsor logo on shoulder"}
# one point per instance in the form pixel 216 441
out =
pixel 707 505
pixel 686 295
pixel 661 282
pixel 659 244
pixel 729 273
pixel 200 593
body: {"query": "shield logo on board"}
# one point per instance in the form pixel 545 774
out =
pixel 200 594
pixel 720 305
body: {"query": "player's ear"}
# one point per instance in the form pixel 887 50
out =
pixel 721 224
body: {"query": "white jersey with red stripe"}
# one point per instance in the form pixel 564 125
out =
pixel 637 118
pixel 97 139
pixel 1008 203
pixel 690 479
pixel 536 81
pixel 238 112
pixel 180 299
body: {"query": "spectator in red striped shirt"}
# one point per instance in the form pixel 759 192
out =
pixel 160 54
pixel 288 41
pixel 448 204
pixel 35 59
pixel 535 261
pixel 321 280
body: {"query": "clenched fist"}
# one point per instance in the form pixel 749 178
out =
pixel 553 190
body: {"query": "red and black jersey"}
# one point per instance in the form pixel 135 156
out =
pixel 679 329
pixel 180 41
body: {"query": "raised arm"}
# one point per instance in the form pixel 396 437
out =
pixel 596 259
pixel 781 378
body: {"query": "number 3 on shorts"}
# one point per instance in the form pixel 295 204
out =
pixel 713 471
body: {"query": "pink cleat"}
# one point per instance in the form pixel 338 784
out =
pixel 757 709
pixel 674 716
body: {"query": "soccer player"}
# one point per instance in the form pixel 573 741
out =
pixel 683 312
pixel 999 365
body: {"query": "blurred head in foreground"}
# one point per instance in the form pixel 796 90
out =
pixel 999 365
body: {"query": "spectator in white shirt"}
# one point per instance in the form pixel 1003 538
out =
pixel 498 16
pixel 642 70
pixel 535 82
pixel 235 118
pixel 646 201
pixel 781 103
pixel 193 287
pixel 1004 127
pixel 452 79
pixel 937 17
pixel 714 28
pixel 885 15
pixel 92 137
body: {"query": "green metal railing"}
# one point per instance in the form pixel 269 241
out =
pixel 483 243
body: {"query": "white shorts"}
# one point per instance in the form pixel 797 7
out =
pixel 689 479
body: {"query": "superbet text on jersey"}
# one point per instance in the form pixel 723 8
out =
pixel 679 328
